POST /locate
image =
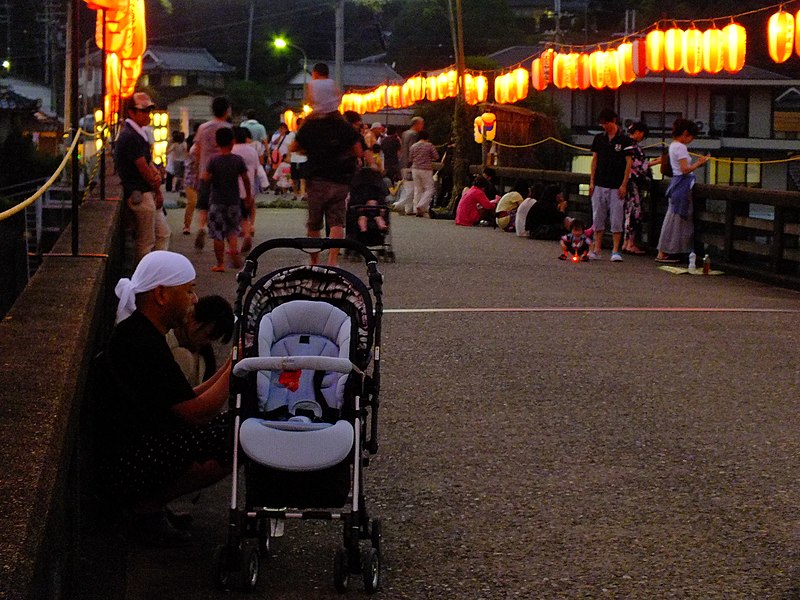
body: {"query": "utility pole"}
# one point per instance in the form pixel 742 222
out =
pixel 6 20
pixel 460 136
pixel 249 41
pixel 71 108
pixel 339 51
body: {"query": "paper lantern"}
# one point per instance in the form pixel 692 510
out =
pixel 519 83
pixel 693 51
pixel 655 50
pixel 111 103
pixel 452 83
pixel 673 49
pixel 734 38
pixel 489 125
pixel 476 88
pixel 583 71
pixel 131 69
pixel 712 50
pixel 107 4
pixel 393 98
pixel 442 84
pixel 501 91
pixel 780 36
pixel 625 60
pixel 478 130
pixel 417 87
pixel 431 89
pixel 597 69
pixel 560 68
pixel 290 119
pixel 639 57
pixel 481 88
pixel 571 70
pixel 541 75
pixel 613 78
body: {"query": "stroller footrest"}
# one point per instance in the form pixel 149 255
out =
pixel 296 446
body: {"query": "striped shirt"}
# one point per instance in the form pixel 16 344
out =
pixel 422 154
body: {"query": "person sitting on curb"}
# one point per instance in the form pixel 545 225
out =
pixel 160 438
pixel 474 206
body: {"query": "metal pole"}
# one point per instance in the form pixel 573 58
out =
pixel 106 118
pixel 73 58
pixel 249 42
pixel 339 62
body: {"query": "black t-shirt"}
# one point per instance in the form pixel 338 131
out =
pixel 611 155
pixel 151 381
pixel 127 149
pixel 541 214
pixel 225 170
pixel 328 143
pixel 391 146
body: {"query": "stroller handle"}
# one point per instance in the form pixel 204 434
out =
pixel 293 363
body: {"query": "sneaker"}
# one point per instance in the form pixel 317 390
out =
pixel 594 256
pixel 562 257
pixel 218 269
pixel 616 257
pixel 187 231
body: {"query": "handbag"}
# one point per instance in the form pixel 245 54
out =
pixel 666 165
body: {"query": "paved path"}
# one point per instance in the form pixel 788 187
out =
pixel 615 431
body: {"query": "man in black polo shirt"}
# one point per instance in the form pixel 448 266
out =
pixel 611 168
pixel 141 180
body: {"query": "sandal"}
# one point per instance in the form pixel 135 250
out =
pixel 218 269
pixel 667 260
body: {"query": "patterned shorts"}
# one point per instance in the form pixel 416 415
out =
pixel 224 220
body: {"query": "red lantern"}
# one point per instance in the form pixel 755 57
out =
pixel 673 49
pixel 735 45
pixel 693 51
pixel 639 57
pixel 540 76
pixel 655 50
pixel 780 36
pixel 712 50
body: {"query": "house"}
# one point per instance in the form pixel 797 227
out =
pixel 750 118
pixel 182 80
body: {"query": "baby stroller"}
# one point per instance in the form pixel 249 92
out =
pixel 368 194
pixel 304 395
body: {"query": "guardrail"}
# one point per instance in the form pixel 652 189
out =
pixel 748 231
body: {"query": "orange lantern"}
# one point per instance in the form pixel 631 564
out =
pixel 113 74
pixel 481 87
pixel 571 70
pixel 290 119
pixel 452 83
pixel 560 70
pixel 520 78
pixel 625 60
pixel 613 78
pixel 734 38
pixel 501 89
pixel 393 96
pixel 117 32
pixel 107 4
pixel 673 49
pixel 111 104
pixel 417 87
pixel 131 69
pixel 597 69
pixel 780 36
pixel 655 50
pixel 712 50
pixel 441 84
pixel 583 71
pixel 693 51
pixel 431 89
pixel 540 75
pixel 639 57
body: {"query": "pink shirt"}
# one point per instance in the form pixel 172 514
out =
pixel 467 212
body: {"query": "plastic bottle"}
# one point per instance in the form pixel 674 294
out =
pixel 706 264
pixel 692 261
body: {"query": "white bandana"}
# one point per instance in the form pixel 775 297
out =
pixel 156 268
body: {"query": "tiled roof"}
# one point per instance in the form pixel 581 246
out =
pixel 514 55
pixel 11 101
pixel 197 60
pixel 356 74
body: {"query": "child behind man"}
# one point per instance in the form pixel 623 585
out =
pixel 576 243
pixel 224 211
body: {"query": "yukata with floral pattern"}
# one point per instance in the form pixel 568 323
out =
pixel 638 186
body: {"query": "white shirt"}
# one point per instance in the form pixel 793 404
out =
pixel 522 216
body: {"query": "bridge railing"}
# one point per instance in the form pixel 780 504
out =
pixel 749 231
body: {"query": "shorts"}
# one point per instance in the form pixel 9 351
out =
pixel 154 463
pixel 606 200
pixel 326 199
pixel 203 194
pixel 224 220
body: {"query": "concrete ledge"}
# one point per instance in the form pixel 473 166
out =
pixel 46 342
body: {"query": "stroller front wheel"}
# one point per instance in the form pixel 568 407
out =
pixel 371 570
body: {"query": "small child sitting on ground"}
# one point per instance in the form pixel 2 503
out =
pixel 224 210
pixel 576 243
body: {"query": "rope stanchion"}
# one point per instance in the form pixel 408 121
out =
pixel 38 194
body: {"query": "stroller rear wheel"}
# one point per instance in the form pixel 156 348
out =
pixel 341 570
pixel 371 570
pixel 234 569
pixel 376 534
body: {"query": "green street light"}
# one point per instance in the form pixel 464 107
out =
pixel 281 43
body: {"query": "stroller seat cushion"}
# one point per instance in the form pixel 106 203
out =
pixel 303 328
pixel 296 445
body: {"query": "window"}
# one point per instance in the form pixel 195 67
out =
pixel 653 120
pixel 177 81
pixel 729 113
pixel 735 171
pixel 586 107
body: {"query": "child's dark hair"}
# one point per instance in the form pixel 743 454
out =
pixel 639 126
pixel 577 224
pixel 321 68
pixel 241 134
pixel 480 182
pixel 216 310
pixel 224 137
pixel 178 137
pixel 220 106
